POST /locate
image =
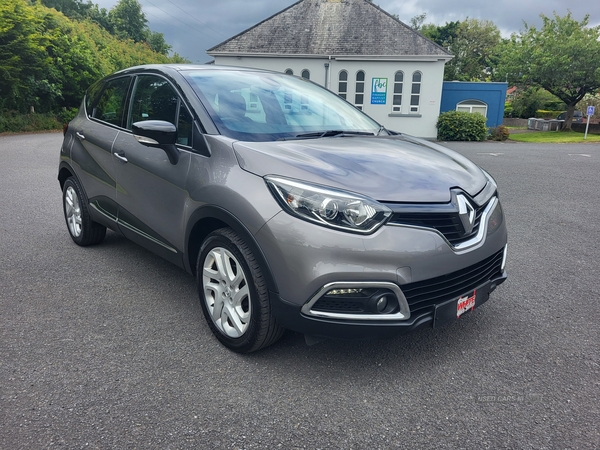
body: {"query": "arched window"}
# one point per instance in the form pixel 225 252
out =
pixel 359 96
pixel 289 72
pixel 397 100
pixel 473 106
pixel 306 74
pixel 415 92
pixel 343 84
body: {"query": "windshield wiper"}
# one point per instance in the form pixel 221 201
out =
pixel 328 133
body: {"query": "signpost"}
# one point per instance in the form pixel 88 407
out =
pixel 590 113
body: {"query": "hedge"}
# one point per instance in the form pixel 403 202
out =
pixel 461 126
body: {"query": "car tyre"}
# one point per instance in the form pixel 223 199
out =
pixel 233 293
pixel 83 230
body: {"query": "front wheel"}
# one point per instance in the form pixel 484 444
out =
pixel 83 230
pixel 233 293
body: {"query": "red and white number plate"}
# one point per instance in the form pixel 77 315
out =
pixel 465 304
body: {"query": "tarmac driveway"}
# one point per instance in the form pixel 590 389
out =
pixel 106 347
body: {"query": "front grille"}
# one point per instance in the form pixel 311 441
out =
pixel 447 223
pixel 424 294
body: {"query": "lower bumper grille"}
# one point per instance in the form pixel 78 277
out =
pixel 361 299
pixel 426 293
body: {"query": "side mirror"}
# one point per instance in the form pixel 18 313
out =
pixel 158 133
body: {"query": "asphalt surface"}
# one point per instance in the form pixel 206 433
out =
pixel 106 347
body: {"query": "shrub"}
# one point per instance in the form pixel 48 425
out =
pixel 11 121
pixel 531 99
pixel 66 115
pixel 547 114
pixel 500 133
pixel 461 126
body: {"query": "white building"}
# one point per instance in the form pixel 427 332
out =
pixel 355 49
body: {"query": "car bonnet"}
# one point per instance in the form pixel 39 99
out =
pixel 387 169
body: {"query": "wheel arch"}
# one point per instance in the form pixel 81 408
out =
pixel 64 172
pixel 209 218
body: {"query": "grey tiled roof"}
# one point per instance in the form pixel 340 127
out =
pixel 331 27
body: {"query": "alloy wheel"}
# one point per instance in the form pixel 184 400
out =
pixel 226 292
pixel 73 212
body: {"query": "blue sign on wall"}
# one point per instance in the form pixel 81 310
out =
pixel 378 91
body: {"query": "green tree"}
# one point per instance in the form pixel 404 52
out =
pixel 100 17
pixel 563 57
pixel 157 43
pixel 531 99
pixel 22 55
pixel 416 23
pixel 590 100
pixel 75 9
pixel 475 46
pixel 48 60
pixel 442 35
pixel 129 21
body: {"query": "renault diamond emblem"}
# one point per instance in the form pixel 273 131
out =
pixel 466 212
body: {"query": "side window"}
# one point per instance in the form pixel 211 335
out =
pixel 473 106
pixel 359 96
pixel 155 99
pixel 306 74
pixel 184 127
pixel 397 101
pixel 415 93
pixel 343 84
pixel 110 107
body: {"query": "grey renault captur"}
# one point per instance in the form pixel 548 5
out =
pixel 293 209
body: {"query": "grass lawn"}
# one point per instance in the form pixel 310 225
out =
pixel 554 137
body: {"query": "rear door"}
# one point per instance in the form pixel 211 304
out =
pixel 95 133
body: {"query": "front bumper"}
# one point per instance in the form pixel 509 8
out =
pixel 431 275
pixel 433 315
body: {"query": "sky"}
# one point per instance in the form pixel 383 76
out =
pixel 193 26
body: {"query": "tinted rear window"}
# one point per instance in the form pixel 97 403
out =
pixel 110 107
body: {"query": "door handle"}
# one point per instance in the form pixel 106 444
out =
pixel 80 136
pixel 121 157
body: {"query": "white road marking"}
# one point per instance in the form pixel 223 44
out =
pixel 491 154
pixel 580 154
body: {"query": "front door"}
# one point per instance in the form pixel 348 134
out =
pixel 150 190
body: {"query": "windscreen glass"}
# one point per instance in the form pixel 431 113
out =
pixel 259 106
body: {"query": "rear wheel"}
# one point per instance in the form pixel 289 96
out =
pixel 83 230
pixel 233 293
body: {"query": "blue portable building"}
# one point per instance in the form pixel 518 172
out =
pixel 482 97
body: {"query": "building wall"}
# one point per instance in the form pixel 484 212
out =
pixel 420 124
pixel 493 94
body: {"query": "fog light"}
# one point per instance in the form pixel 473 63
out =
pixel 382 304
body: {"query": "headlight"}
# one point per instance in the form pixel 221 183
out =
pixel 495 219
pixel 328 207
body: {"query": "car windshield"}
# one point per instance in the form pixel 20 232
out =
pixel 263 106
